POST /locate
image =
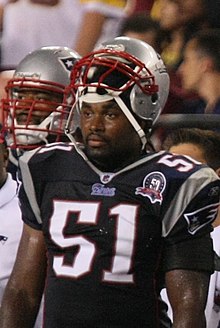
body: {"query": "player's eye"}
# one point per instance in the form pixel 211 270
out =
pixel 110 115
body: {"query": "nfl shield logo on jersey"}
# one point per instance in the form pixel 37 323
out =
pixel 153 187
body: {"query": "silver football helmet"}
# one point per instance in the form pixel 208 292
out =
pixel 36 107
pixel 130 72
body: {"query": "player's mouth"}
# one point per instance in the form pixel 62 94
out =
pixel 95 141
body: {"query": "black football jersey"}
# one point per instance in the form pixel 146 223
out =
pixel 108 233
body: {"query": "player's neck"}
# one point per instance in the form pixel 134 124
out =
pixel 116 164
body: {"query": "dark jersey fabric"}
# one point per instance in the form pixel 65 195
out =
pixel 103 232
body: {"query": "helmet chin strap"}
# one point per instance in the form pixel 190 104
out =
pixel 132 120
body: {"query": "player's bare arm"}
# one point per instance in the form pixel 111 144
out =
pixel 23 294
pixel 187 292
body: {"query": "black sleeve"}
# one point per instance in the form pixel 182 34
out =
pixel 28 216
pixel 193 254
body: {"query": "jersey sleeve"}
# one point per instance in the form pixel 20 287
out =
pixel 28 215
pixel 187 223
pixel 27 193
pixel 36 167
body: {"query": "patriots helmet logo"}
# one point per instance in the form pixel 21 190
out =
pixel 198 219
pixel 67 62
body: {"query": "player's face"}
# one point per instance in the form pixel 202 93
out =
pixel 109 138
pixel 192 68
pixel 170 17
pixel 33 106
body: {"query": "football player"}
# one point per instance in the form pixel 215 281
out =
pixel 102 217
pixel 35 108
pixel 204 146
pixel 33 114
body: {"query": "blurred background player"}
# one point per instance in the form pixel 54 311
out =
pixel 28 25
pixel 100 20
pixel 77 24
pixel 143 27
pixel 203 146
pixel 10 223
pixel 200 71
pixel 35 109
pixel 10 214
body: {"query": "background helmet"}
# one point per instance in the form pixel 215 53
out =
pixel 130 72
pixel 45 70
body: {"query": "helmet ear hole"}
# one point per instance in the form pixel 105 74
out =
pixel 154 98
pixel 143 105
